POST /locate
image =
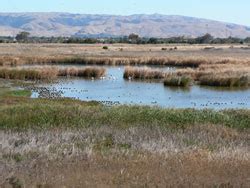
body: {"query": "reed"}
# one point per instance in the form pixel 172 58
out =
pixel 226 75
pixel 27 74
pixel 180 81
pixel 48 73
pixel 111 60
pixel 142 73
pixel 87 72
pixel 225 81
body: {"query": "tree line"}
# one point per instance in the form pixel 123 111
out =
pixel 24 37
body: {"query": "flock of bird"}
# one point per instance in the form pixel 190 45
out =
pixel 61 89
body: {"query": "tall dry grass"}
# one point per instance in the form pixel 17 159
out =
pixel 226 75
pixel 87 72
pixel 199 156
pixel 229 75
pixel 111 60
pixel 39 73
pixel 143 73
pixel 28 74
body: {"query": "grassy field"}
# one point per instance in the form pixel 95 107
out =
pixel 64 142
pixel 71 143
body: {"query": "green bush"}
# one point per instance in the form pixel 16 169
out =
pixel 180 81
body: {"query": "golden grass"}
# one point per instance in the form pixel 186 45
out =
pixel 225 80
pixel 226 75
pixel 195 169
pixel 199 156
pixel 48 73
pixel 193 62
pixel 28 74
pixel 143 73
pixel 86 72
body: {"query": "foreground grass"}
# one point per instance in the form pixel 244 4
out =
pixel 93 145
pixel 64 142
pixel 42 114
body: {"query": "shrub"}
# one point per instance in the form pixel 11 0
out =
pixel 181 81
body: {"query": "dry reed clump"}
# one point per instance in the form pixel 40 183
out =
pixel 27 74
pixel 48 73
pixel 110 60
pixel 180 81
pixel 142 73
pixel 53 60
pixel 194 63
pixel 226 75
pixel 225 81
pixel 87 72
pixel 11 61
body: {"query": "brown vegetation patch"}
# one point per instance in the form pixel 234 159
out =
pixel 87 72
pixel 39 73
pixel 143 73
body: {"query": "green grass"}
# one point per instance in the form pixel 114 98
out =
pixel 180 81
pixel 8 92
pixel 66 113
pixel 20 93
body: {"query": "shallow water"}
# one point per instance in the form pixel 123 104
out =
pixel 117 90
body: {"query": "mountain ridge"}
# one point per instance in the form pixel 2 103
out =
pixel 146 25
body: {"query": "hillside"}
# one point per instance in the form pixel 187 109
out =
pixel 156 25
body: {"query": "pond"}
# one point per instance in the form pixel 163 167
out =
pixel 113 89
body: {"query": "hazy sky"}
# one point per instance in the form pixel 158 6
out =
pixel 235 11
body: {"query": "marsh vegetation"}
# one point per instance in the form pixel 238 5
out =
pixel 91 143
pixel 71 135
pixel 228 67
pixel 49 73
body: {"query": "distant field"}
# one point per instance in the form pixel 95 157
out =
pixel 239 52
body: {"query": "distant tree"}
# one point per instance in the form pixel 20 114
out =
pixel 247 40
pixel 134 38
pixel 205 39
pixel 153 41
pixel 22 36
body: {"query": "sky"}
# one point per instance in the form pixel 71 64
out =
pixel 233 11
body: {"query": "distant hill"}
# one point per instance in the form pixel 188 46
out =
pixel 156 25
